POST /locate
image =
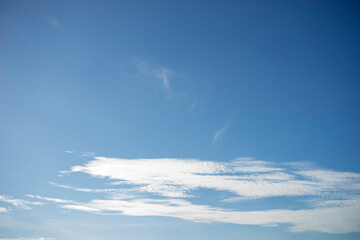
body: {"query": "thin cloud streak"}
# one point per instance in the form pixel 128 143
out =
pixel 55 200
pixel 88 154
pixel 19 203
pixel 88 190
pixel 318 219
pixel 113 193
pixel 335 216
pixel 220 132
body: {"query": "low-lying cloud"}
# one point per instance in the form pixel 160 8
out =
pixel 331 199
pixel 326 200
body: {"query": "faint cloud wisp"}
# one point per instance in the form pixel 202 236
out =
pixel 155 73
pixel 220 132
pixel 55 23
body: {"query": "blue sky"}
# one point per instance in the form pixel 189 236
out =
pixel 176 120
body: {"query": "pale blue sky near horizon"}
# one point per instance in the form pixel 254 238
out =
pixel 276 81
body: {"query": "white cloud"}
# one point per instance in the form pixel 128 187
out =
pixel 243 177
pixel 343 218
pixel 332 198
pixel 344 178
pixel 166 190
pixel 19 202
pixel 55 200
pixel 69 151
pixel 81 208
pixel 3 209
pixel 335 210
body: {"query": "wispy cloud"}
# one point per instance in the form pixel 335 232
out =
pixel 154 73
pixel 88 154
pixel 3 209
pixel 164 75
pixel 55 23
pixel 220 132
pixel 91 190
pixel 340 216
pixel 20 203
pixel 55 200
pixel 317 219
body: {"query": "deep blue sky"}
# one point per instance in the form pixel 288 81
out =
pixel 280 78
